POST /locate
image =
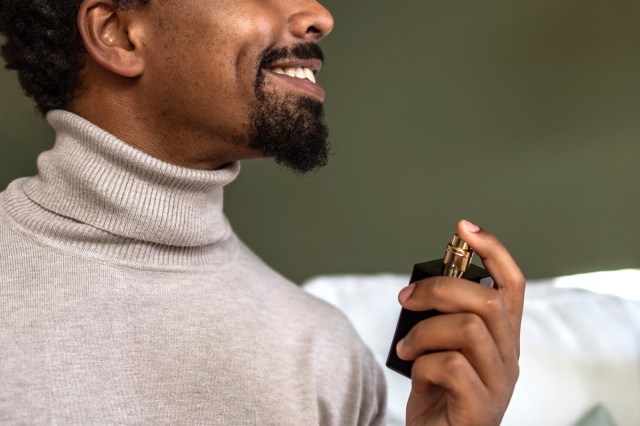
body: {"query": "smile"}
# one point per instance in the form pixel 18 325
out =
pixel 299 76
pixel 302 73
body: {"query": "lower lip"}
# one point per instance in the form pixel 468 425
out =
pixel 311 89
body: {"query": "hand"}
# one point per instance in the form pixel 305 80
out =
pixel 466 360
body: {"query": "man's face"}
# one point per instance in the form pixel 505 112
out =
pixel 235 78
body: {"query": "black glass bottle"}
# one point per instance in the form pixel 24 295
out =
pixel 456 263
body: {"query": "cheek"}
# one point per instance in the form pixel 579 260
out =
pixel 253 29
pixel 203 67
pixel 225 50
pixel 190 69
pixel 221 43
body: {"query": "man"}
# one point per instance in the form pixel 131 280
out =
pixel 125 297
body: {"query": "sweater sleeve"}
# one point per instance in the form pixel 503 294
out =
pixel 374 412
pixel 351 383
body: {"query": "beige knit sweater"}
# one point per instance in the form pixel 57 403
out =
pixel 125 297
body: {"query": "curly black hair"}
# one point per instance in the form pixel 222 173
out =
pixel 43 44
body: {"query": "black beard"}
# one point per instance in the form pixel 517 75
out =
pixel 290 128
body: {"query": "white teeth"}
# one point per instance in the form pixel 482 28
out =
pixel 310 76
pixel 302 73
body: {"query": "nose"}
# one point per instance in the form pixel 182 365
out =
pixel 311 22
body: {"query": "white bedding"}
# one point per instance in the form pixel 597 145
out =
pixel 579 348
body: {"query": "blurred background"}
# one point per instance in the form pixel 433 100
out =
pixel 522 117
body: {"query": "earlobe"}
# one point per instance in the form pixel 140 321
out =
pixel 110 38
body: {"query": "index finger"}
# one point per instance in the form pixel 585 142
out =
pixel 506 274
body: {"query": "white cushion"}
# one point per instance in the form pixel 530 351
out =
pixel 579 348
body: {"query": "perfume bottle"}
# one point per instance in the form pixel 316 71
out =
pixel 456 263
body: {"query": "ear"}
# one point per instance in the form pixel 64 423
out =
pixel 113 38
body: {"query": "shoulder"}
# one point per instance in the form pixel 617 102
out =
pixel 280 296
pixel 349 382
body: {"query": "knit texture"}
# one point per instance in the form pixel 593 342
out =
pixel 125 297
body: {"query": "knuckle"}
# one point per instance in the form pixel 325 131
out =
pixel 473 328
pixel 515 372
pixel 517 279
pixel 455 363
pixel 494 305
pixel 438 287
pixel 421 374
pixel 521 281
pixel 420 368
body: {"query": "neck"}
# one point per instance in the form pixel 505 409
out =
pixel 120 111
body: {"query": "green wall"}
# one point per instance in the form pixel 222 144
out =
pixel 520 116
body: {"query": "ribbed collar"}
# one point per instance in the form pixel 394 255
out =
pixel 94 178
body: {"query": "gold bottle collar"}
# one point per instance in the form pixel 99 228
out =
pixel 457 257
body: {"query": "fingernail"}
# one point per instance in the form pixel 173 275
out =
pixel 405 293
pixel 470 226
pixel 399 346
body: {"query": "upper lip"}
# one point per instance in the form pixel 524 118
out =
pixel 313 64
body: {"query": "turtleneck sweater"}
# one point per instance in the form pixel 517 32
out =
pixel 126 297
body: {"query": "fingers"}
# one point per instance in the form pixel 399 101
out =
pixel 453 295
pixel 471 349
pixel 468 402
pixel 503 269
pixel 466 333
pixel 450 370
pixel 499 307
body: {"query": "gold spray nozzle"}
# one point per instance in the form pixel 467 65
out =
pixel 457 257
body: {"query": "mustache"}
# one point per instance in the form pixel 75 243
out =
pixel 302 51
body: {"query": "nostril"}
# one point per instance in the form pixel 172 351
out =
pixel 312 21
